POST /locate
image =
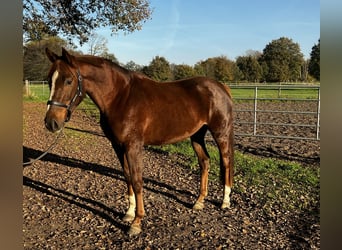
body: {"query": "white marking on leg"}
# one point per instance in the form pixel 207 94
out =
pixel 130 214
pixel 53 85
pixel 226 198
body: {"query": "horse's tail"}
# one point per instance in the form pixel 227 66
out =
pixel 228 90
pixel 231 156
pixel 230 144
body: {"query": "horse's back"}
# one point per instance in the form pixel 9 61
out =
pixel 194 88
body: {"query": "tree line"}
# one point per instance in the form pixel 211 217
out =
pixel 280 61
pixel 43 20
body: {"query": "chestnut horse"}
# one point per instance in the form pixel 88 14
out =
pixel 137 111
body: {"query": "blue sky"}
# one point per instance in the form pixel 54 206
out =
pixel 187 31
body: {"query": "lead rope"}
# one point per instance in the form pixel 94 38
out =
pixel 46 151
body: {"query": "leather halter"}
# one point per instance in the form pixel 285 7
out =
pixel 71 104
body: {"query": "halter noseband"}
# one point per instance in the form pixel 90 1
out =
pixel 77 94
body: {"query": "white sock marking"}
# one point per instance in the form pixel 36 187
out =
pixel 227 191
pixel 131 207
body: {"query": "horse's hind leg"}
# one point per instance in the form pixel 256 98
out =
pixel 226 148
pixel 198 144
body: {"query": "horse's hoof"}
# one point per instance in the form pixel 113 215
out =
pixel 198 205
pixel 225 205
pixel 134 230
pixel 128 218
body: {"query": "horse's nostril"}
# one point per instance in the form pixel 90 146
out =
pixel 55 125
pixel 52 125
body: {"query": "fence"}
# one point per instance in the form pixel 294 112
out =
pixel 39 89
pixel 277 111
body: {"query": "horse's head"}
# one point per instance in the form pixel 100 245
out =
pixel 66 90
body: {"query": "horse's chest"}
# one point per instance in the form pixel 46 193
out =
pixel 119 128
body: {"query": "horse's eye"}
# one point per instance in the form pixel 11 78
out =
pixel 68 81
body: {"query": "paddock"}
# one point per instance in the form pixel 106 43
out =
pixel 73 197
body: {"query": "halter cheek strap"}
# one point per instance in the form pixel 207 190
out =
pixel 77 94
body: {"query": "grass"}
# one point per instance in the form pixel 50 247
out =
pixel 309 93
pixel 272 183
pixel 38 93
pixel 278 183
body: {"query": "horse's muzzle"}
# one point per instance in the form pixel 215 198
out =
pixel 53 125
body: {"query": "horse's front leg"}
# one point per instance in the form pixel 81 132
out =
pixel 135 162
pixel 130 214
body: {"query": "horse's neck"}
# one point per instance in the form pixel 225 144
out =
pixel 103 91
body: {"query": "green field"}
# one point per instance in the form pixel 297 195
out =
pixel 262 92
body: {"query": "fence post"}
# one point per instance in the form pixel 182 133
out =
pixel 255 109
pixel 43 88
pixel 318 113
pixel 27 88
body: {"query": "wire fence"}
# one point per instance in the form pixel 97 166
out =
pixel 276 111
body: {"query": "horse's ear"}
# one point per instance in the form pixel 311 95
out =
pixel 52 56
pixel 67 57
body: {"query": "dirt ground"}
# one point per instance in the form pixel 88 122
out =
pixel 74 198
pixel 300 150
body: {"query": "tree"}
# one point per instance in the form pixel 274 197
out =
pixel 159 69
pixel 314 64
pixel 282 60
pixel 36 64
pixel 253 53
pixel 133 66
pixel 97 45
pixel 182 71
pixel 305 71
pixel 205 68
pixel 110 57
pixel 250 68
pixel 77 19
pixel 219 68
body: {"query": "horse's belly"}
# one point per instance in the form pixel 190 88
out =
pixel 171 132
